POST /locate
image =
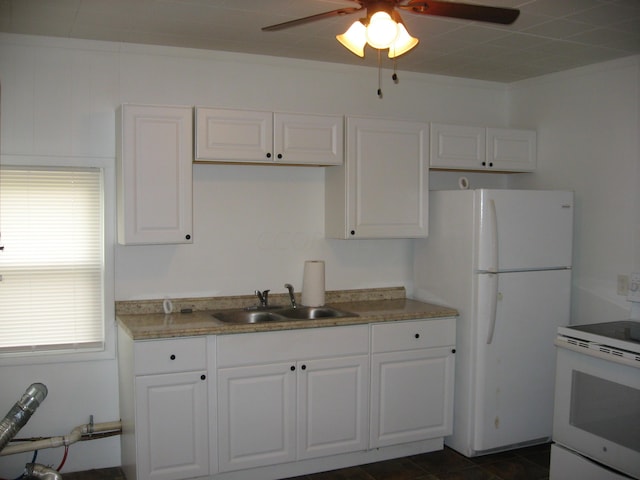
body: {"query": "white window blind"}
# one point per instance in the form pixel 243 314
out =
pixel 52 266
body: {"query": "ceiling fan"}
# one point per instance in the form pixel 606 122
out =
pixel 382 27
pixel 467 11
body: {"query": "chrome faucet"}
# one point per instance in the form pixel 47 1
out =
pixel 263 297
pixel 289 287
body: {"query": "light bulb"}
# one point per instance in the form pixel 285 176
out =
pixel 403 43
pixel 382 30
pixel 354 38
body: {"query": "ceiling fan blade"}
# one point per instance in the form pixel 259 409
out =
pixel 481 13
pixel 312 18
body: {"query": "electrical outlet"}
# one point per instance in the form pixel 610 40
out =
pixel 634 288
pixel 623 285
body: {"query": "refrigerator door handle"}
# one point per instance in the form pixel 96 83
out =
pixel 493 305
pixel 493 225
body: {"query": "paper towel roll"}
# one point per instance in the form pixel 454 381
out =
pixel 313 283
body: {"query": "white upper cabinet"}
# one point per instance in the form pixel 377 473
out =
pixel 382 189
pixel 154 164
pixel 511 150
pixel 245 136
pixel 458 147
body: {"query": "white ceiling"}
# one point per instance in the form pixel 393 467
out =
pixel 549 35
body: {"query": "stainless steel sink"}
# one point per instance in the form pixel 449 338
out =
pixel 246 316
pixel 281 315
pixel 309 313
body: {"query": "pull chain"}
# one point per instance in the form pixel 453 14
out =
pixel 379 74
pixel 395 70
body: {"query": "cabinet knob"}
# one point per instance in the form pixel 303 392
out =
pixel 172 357
pixel 491 164
pixel 484 164
pixel 188 237
pixel 353 232
pixel 417 335
pixel 268 155
pixel 279 155
pixel 453 350
pixel 203 377
pixel 304 367
pixel 293 367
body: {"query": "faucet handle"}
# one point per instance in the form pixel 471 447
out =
pixel 263 297
pixel 289 287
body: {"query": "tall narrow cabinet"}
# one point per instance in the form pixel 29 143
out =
pixel 154 164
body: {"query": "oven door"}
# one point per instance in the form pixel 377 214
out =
pixel 597 407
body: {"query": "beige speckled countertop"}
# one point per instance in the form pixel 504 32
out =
pixel 143 320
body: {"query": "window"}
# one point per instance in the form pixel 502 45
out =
pixel 52 266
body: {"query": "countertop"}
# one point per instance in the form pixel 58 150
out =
pixel 141 322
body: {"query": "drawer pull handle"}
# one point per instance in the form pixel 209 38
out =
pixel 172 357
pixel 417 335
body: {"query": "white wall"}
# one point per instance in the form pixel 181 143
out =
pixel 588 141
pixel 253 226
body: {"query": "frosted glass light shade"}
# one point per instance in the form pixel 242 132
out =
pixel 355 38
pixel 382 31
pixel 404 42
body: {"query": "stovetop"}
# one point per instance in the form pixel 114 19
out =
pixel 624 334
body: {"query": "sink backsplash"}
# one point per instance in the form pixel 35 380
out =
pixel 132 307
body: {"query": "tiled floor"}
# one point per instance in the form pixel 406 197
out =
pixel 530 463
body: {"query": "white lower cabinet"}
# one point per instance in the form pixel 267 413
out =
pixel 256 416
pixel 295 395
pixel 412 368
pixel 164 408
pixel 278 404
pixel 172 425
pixel 332 406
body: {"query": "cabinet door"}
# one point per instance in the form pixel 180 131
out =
pixel 456 147
pixel 308 139
pixel 332 406
pixel 226 135
pixel 256 415
pixel 509 149
pixel 411 395
pixel 382 191
pixel 154 174
pixel 172 426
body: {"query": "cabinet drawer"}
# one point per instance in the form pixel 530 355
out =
pixel 169 356
pixel 291 345
pixel 394 336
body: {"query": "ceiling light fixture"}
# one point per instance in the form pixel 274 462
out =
pixel 381 30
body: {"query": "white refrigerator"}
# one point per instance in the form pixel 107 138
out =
pixel 502 258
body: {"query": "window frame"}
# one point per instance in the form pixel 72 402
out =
pixel 107 165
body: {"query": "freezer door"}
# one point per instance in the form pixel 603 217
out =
pixel 515 356
pixel 523 229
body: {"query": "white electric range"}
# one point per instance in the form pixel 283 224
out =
pixel 596 428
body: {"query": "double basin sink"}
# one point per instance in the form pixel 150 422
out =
pixel 280 314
